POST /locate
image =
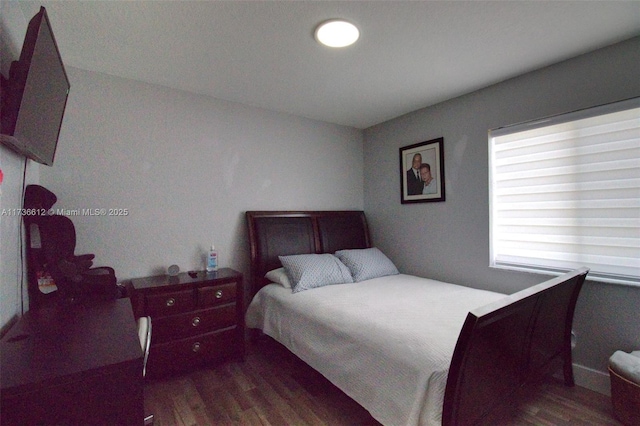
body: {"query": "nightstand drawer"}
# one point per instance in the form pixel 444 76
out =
pixel 193 323
pixel 170 303
pixel 186 353
pixel 216 295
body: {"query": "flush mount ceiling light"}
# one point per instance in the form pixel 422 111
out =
pixel 337 33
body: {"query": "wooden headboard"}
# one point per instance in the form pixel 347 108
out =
pixel 281 233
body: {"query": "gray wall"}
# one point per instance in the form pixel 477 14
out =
pixel 186 167
pixel 450 240
pixel 13 298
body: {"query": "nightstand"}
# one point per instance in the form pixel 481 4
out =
pixel 195 320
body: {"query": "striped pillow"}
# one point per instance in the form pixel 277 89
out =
pixel 307 271
pixel 366 264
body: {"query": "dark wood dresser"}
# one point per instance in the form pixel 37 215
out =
pixel 73 364
pixel 195 320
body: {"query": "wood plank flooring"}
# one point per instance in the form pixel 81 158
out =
pixel 273 387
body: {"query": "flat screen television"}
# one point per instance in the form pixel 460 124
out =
pixel 35 94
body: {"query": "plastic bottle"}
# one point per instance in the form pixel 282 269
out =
pixel 212 259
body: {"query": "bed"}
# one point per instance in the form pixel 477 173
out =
pixel 412 351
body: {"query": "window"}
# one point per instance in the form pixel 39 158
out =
pixel 565 193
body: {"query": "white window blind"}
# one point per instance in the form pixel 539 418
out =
pixel 565 193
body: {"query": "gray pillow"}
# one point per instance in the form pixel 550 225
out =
pixel 307 271
pixel 366 264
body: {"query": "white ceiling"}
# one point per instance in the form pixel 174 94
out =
pixel 262 53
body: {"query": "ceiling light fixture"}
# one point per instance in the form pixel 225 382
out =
pixel 337 33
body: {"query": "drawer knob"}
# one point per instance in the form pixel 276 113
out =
pixel 195 321
pixel 171 301
pixel 219 294
pixel 196 347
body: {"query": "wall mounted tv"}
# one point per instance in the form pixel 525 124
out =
pixel 35 94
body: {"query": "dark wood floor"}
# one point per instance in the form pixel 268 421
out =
pixel 273 387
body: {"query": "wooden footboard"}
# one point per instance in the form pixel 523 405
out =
pixel 507 343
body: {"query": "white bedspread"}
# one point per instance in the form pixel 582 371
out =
pixel 386 342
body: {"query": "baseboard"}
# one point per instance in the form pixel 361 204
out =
pixel 588 378
pixel 594 380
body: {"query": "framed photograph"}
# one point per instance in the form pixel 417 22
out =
pixel 422 172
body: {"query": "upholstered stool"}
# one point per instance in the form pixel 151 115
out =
pixel 624 370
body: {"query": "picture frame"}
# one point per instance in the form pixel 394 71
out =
pixel 427 185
